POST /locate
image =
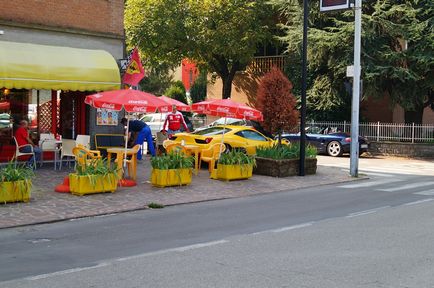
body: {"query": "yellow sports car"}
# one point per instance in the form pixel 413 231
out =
pixel 238 137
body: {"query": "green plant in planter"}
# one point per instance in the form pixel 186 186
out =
pixel 283 160
pixel 12 173
pixel 172 161
pixel 236 158
pixel 234 165
pixel 285 152
pixel 172 169
pixel 15 183
pixel 94 177
pixel 96 167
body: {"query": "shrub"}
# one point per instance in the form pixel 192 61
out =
pixel 277 103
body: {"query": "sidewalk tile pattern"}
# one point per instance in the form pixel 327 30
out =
pixel 49 206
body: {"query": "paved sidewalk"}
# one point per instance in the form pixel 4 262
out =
pixel 49 206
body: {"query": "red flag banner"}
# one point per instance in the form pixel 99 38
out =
pixel 135 71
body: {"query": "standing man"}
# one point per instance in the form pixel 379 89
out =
pixel 22 136
pixel 142 132
pixel 173 122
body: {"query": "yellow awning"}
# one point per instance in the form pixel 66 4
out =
pixel 32 66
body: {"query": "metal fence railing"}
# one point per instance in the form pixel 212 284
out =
pixel 377 131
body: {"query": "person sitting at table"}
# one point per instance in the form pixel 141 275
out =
pixel 142 132
pixel 22 136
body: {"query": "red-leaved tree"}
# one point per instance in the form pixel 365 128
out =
pixel 277 103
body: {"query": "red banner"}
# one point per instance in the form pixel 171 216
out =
pixel 135 71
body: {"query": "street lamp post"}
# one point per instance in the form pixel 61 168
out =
pixel 301 171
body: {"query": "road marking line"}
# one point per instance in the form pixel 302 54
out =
pixel 366 212
pixel 418 202
pixel 292 227
pixel 408 186
pixel 63 272
pixel 370 183
pixel 111 261
pixel 426 192
pixel 200 245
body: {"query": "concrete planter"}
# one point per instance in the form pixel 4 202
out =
pixel 283 167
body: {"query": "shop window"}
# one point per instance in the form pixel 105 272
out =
pixel 14 107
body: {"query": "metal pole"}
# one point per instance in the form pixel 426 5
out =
pixel 303 91
pixel 354 160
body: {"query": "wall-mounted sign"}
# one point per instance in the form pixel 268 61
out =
pixel 106 117
pixel 331 5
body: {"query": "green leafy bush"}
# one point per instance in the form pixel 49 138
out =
pixel 235 157
pixel 285 151
pixel 10 173
pixel 172 161
pixel 177 91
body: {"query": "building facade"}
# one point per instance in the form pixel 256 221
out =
pixel 52 54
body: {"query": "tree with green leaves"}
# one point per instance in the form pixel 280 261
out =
pixel 219 35
pixel 177 92
pixel 397 54
pixel 198 89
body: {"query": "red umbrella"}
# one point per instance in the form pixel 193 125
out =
pixel 179 105
pixel 128 99
pixel 227 108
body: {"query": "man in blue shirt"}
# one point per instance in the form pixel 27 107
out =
pixel 143 132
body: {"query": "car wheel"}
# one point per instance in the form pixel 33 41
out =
pixel 334 149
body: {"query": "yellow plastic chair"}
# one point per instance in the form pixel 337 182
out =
pixel 211 155
pixel 83 156
pixel 177 148
pixel 132 163
pixel 96 153
pixel 167 143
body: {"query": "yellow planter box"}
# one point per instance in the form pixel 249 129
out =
pixel 90 184
pixel 234 172
pixel 171 177
pixel 17 191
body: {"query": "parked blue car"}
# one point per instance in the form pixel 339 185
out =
pixel 329 140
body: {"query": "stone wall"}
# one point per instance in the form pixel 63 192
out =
pixel 402 149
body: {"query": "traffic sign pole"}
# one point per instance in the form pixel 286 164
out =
pixel 354 155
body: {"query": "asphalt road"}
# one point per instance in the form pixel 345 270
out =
pixel 297 238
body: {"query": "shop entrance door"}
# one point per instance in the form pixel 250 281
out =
pixel 72 114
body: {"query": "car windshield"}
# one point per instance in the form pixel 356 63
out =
pixel 147 118
pixel 212 131
pixel 229 121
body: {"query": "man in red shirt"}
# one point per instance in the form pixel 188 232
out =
pixel 173 122
pixel 22 136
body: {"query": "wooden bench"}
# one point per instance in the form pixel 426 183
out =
pixel 107 141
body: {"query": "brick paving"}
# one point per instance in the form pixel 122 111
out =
pixel 49 206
